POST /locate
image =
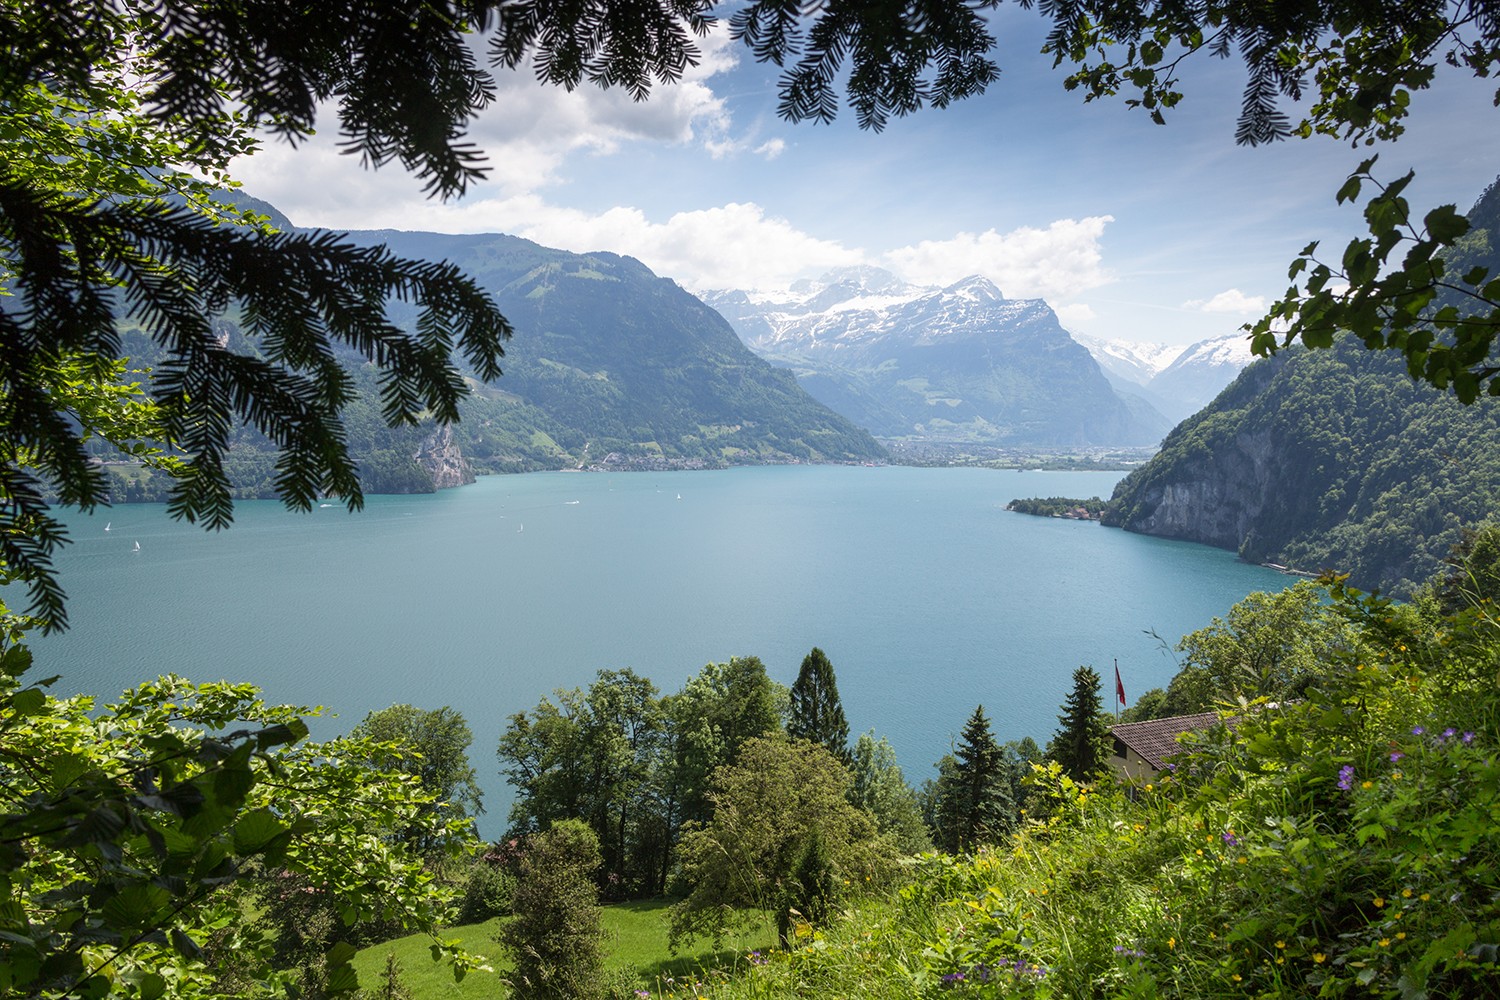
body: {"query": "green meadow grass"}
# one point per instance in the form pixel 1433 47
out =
pixel 635 941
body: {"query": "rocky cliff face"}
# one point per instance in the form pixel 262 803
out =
pixel 440 457
pixel 1329 459
pixel 1217 505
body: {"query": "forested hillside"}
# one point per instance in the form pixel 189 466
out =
pixel 1330 459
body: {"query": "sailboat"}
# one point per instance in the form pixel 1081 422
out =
pixel 107 524
pixel 137 547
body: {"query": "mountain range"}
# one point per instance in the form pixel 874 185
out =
pixel 610 366
pixel 959 363
pixel 1178 381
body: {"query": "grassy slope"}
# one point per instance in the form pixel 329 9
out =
pixel 635 939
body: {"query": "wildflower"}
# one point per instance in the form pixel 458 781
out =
pixel 1319 958
pixel 643 994
pixel 1235 977
pixel 1366 784
pixel 1171 944
pixel 1346 777
pixel 1406 893
pixel 1379 902
pixel 1385 942
pixel 1281 945
pixel 1425 896
pixel 1468 738
pixel 1449 733
pixel 1417 730
pixel 1231 839
pixel 1396 755
pixel 1400 935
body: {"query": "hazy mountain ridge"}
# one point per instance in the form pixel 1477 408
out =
pixel 611 366
pixel 1179 381
pixel 960 363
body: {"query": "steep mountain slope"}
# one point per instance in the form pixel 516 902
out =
pixel 1324 459
pixel 961 363
pixel 1137 362
pixel 612 365
pixel 1331 459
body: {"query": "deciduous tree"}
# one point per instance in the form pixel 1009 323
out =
pixel 554 940
pixel 126 835
pixel 432 746
pixel 759 847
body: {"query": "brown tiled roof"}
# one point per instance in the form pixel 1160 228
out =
pixel 1156 739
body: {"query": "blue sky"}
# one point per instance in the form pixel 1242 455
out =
pixel 1130 230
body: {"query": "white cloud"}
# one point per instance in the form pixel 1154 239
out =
pixel 1230 300
pixel 527 134
pixel 1055 262
pixel 1076 314
pixel 732 246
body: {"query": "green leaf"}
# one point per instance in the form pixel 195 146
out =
pixel 151 986
pixel 27 702
pixel 255 830
pixel 342 979
pixel 1445 225
pixel 341 953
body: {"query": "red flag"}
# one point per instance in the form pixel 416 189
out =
pixel 1119 688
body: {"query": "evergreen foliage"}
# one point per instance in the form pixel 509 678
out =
pixel 975 803
pixel 556 936
pixel 816 714
pixel 1081 744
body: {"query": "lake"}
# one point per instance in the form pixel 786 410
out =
pixel 928 597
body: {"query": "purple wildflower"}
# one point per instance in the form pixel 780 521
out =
pixel 1346 777
pixel 1396 755
pixel 1468 737
pixel 1449 733
pixel 1417 730
pixel 1231 839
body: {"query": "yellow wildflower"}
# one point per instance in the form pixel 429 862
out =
pixel 1379 902
pixel 1319 958
pixel 1385 942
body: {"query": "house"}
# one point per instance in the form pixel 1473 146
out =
pixel 1142 748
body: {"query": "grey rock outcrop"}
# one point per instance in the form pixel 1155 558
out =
pixel 440 457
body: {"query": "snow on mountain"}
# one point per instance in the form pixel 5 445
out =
pixel 1198 375
pixel 961 362
pixel 1131 360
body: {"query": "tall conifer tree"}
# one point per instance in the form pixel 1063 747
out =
pixel 974 804
pixel 1081 743
pixel 817 715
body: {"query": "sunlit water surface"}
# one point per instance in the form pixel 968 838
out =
pixel 926 594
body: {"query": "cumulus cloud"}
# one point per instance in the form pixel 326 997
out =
pixel 528 134
pixel 1230 300
pixel 1061 260
pixel 732 246
pixel 1075 314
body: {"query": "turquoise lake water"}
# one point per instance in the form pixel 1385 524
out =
pixel 927 596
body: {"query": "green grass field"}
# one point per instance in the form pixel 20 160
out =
pixel 635 940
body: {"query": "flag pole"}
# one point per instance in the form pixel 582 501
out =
pixel 1119 691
